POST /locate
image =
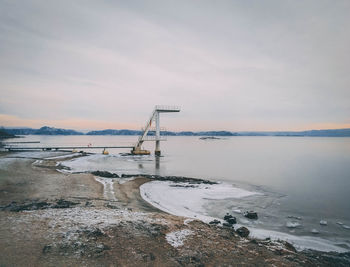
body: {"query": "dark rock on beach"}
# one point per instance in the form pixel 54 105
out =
pixel 242 231
pixel 38 205
pixel 16 207
pixel 105 174
pixel 214 222
pixel 175 179
pixel 64 204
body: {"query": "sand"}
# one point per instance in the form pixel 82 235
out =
pixel 72 220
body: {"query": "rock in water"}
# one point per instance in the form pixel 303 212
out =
pixel 323 222
pixel 227 216
pixel 232 220
pixel 242 231
pixel 315 231
pixel 293 224
pixel 251 215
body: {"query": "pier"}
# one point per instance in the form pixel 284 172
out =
pixel 135 149
pixel 14 148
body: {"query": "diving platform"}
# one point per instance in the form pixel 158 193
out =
pixel 155 119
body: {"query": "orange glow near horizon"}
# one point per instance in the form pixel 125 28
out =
pixel 85 124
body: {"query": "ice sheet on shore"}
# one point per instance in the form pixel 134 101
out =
pixel 183 199
pixel 65 156
pixel 299 242
pixel 110 163
pixel 37 154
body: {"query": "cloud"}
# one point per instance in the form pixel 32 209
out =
pixel 267 65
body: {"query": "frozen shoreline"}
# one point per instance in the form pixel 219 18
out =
pixel 186 200
pixel 183 199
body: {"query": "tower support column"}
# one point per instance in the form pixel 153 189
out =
pixel 157 150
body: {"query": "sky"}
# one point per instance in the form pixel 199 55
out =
pixel 230 65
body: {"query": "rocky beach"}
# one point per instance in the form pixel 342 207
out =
pixel 50 217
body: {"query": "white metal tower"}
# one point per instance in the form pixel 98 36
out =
pixel 155 117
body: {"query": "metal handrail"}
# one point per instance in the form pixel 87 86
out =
pixel 154 138
pixel 161 107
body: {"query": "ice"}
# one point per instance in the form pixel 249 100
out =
pixel 292 224
pixel 299 242
pixel 65 156
pixel 177 238
pixel 323 222
pixel 181 200
pixel 108 190
pixel 95 162
pixel 315 231
pixel 124 180
pixel 294 217
pixel 187 200
pixel 38 154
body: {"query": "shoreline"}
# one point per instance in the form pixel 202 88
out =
pixel 70 234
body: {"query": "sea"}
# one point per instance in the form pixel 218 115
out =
pixel 302 182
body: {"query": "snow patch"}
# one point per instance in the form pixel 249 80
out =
pixel 108 190
pixel 177 238
pixel 124 180
pixel 89 217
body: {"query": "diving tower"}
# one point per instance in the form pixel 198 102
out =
pixel 155 118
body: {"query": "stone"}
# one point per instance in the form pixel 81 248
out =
pixel 323 222
pixel 227 216
pixel 232 220
pixel 251 215
pixel 315 231
pixel 243 231
pixel 214 222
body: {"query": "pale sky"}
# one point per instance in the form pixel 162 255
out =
pixel 230 65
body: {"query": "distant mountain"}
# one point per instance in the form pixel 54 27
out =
pixel 42 131
pixel 114 132
pixel 56 131
pixel 310 133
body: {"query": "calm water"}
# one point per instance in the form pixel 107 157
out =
pixel 306 177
